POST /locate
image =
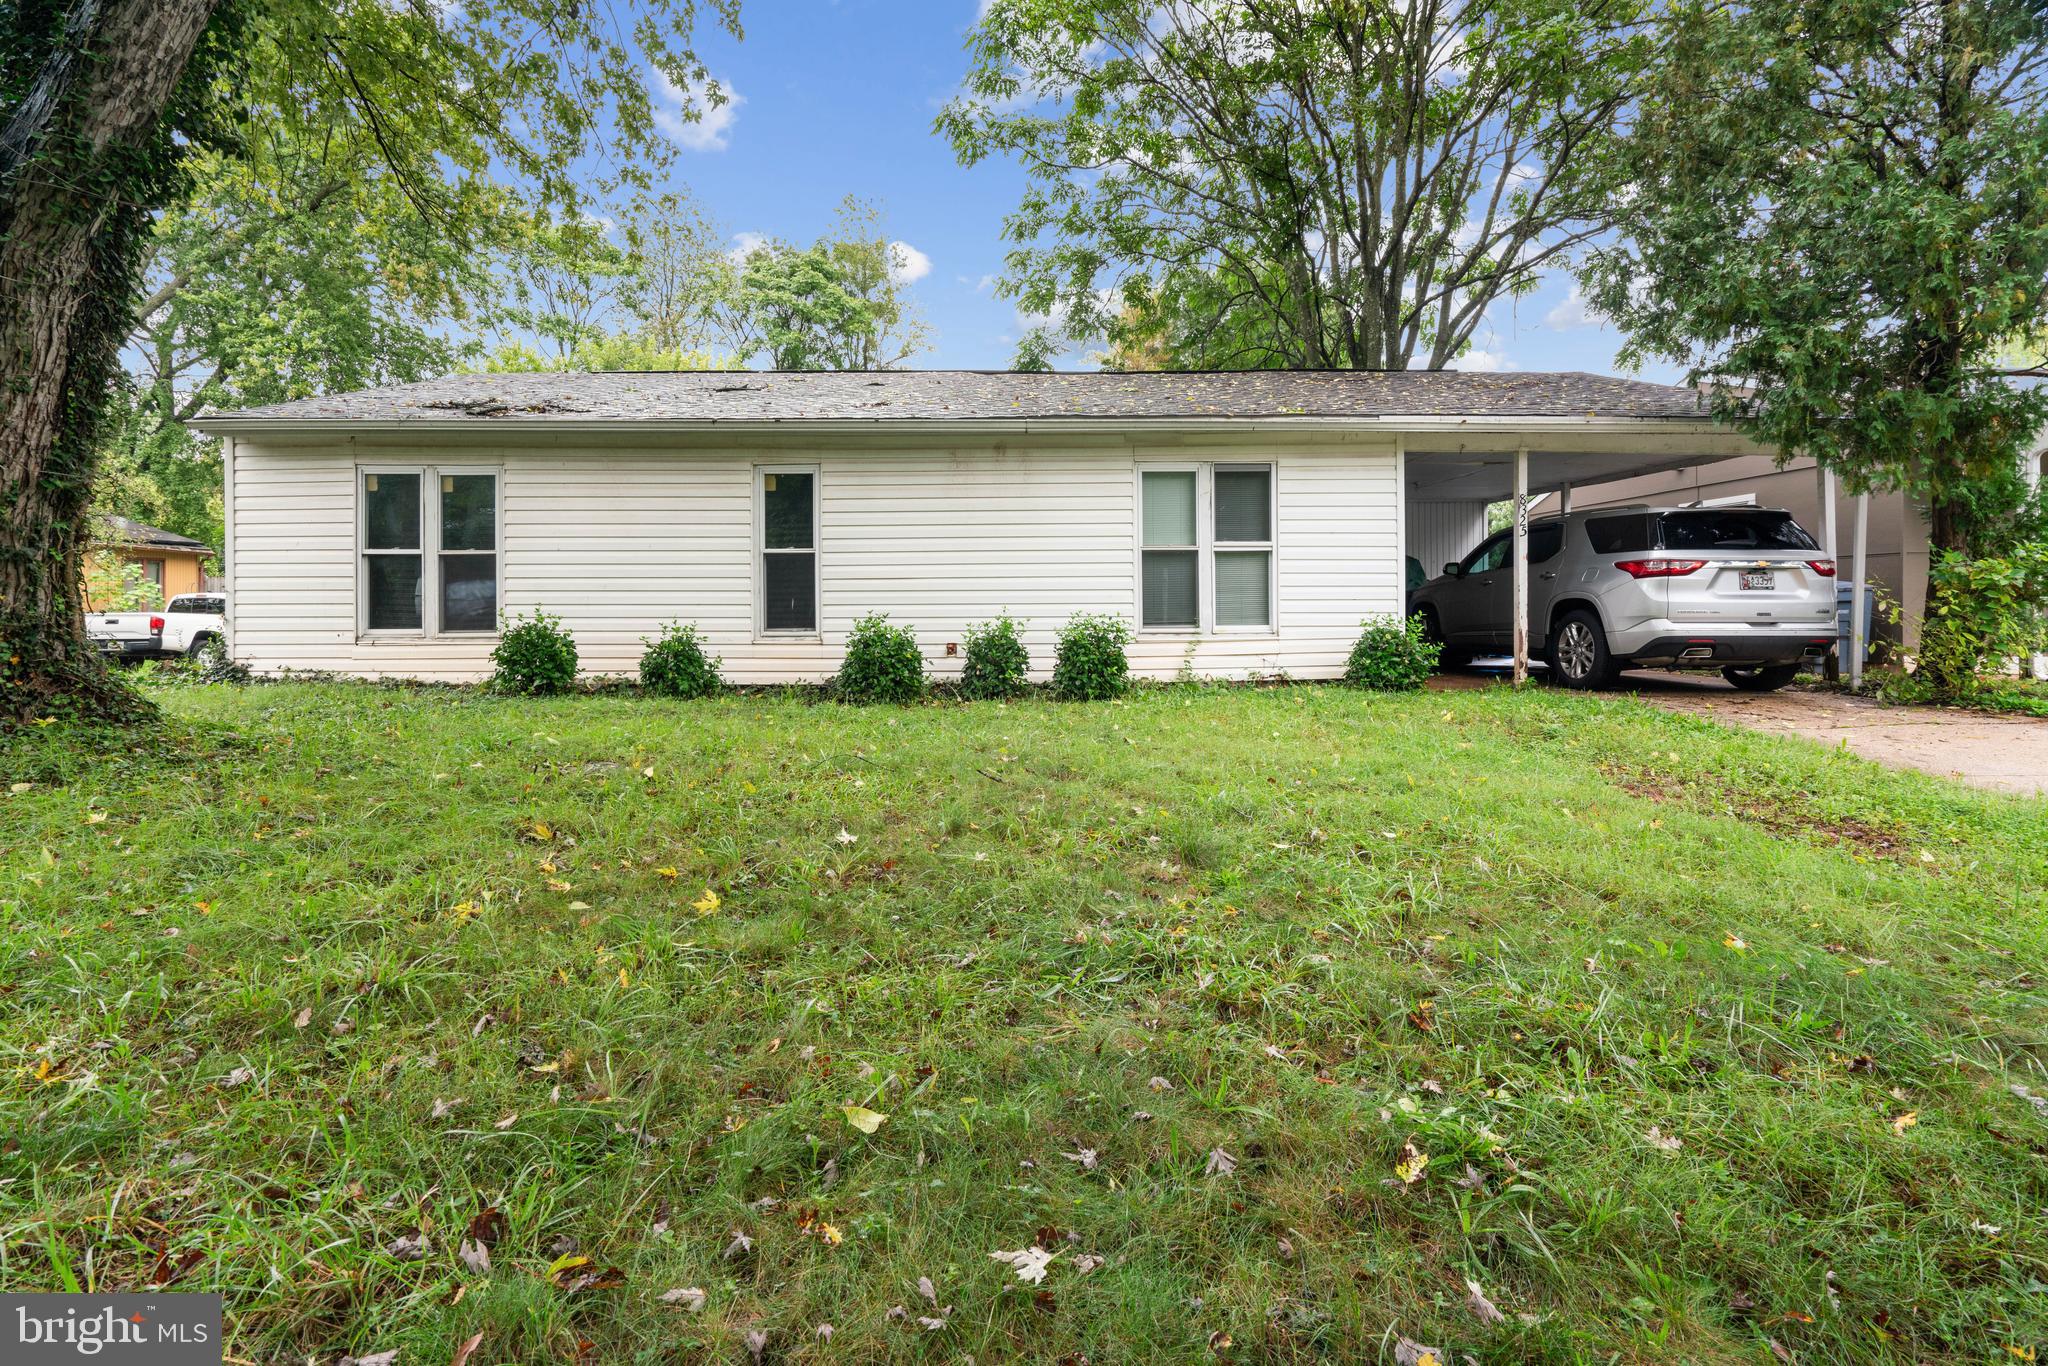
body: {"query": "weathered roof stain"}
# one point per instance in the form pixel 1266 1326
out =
pixel 971 395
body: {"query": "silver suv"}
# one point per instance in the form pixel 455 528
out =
pixel 1741 589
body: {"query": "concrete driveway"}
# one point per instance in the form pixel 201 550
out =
pixel 2003 753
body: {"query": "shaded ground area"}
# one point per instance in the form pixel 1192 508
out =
pixel 2001 753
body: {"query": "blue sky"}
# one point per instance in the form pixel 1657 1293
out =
pixel 838 97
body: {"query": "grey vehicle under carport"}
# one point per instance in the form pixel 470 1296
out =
pixel 1743 590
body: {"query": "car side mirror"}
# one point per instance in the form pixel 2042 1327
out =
pixel 1452 569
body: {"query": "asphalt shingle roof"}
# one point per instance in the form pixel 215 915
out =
pixel 970 395
pixel 131 533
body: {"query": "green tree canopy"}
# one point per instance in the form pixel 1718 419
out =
pixel 1839 214
pixel 1262 182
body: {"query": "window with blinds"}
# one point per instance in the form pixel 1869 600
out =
pixel 429 551
pixel 1206 548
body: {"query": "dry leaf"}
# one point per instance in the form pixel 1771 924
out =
pixel 1086 1263
pixel 928 1290
pixel 1220 1163
pixel 846 836
pixel 303 1018
pixel 507 1122
pixel 689 1297
pixel 407 1247
pixel 1408 1352
pixel 707 903
pixel 1029 1263
pixel 1410 1163
pixel 1661 1141
pixel 740 1245
pixel 862 1118
pixel 374 1359
pixel 442 1107
pixel 475 1256
pixel 469 1346
pixel 1735 943
pixel 241 1076
pixel 1160 1084
pixel 1906 1121
pixel 1086 1157
pixel 1481 1307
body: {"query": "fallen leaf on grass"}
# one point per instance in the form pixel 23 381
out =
pixel 1160 1084
pixel 707 903
pixel 1408 1352
pixel 442 1107
pixel 846 836
pixel 1086 1262
pixel 463 1352
pixel 1901 1123
pixel 1220 1163
pixel 740 1245
pixel 475 1256
pixel 241 1076
pixel 1086 1157
pixel 303 1018
pixel 862 1118
pixel 407 1247
pixel 1663 1142
pixel 928 1290
pixel 1734 942
pixel 757 1343
pixel 689 1297
pixel 374 1359
pixel 507 1122
pixel 1029 1263
pixel 1411 1163
pixel 1481 1307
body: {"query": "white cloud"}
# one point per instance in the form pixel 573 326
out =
pixel 984 284
pixel 1480 358
pixel 907 264
pixel 1570 312
pixel 711 130
pixel 745 244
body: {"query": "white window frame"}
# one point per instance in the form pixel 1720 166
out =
pixel 1206 546
pixel 761 552
pixel 429 551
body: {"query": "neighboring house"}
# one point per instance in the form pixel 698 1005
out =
pixel 170 564
pixel 1243 523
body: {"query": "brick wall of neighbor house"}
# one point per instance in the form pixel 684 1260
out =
pixel 619 534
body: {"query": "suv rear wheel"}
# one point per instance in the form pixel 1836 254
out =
pixel 1761 677
pixel 1578 651
pixel 1448 656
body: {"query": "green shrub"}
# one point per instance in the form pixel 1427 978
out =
pixel 1090 664
pixel 675 665
pixel 997 663
pixel 1982 609
pixel 1392 656
pixel 882 663
pixel 535 656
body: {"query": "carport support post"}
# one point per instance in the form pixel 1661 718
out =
pixel 1521 617
pixel 1857 646
pixel 1830 542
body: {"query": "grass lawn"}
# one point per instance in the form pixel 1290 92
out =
pixel 1281 1017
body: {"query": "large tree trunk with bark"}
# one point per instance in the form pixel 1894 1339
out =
pixel 80 155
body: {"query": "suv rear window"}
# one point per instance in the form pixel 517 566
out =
pixel 1624 535
pixel 1731 529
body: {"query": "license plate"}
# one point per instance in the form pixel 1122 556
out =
pixel 1759 578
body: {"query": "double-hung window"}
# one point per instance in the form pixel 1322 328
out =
pixel 1206 548
pixel 430 548
pixel 787 549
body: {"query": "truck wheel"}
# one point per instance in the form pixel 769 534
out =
pixel 1761 678
pixel 1578 652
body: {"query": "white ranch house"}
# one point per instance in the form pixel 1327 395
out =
pixel 1243 523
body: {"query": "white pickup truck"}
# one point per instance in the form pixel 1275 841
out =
pixel 187 624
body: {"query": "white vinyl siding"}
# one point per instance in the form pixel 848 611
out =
pixel 619 535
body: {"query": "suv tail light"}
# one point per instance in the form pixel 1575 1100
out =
pixel 1824 568
pixel 156 625
pixel 1658 569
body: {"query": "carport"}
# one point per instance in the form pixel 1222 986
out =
pixel 1451 472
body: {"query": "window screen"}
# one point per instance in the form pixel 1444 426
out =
pixel 789 551
pixel 392 560
pixel 1172 590
pixel 469 523
pixel 1244 540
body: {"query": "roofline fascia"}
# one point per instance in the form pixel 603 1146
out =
pixel 224 424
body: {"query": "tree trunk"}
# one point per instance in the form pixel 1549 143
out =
pixel 75 148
